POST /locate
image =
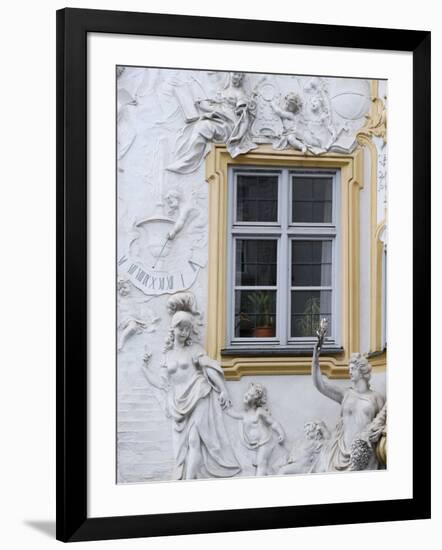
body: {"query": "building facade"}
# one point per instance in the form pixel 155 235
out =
pixel 250 207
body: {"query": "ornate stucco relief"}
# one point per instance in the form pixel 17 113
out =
pixel 194 395
pixel 168 120
pixel 303 113
pixel 352 444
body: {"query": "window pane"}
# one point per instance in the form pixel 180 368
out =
pixel 308 307
pixel 256 262
pixel 311 263
pixel 257 198
pixel 312 199
pixel 255 313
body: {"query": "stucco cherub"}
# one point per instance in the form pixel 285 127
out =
pixel 258 427
pixel 181 213
pixel 289 111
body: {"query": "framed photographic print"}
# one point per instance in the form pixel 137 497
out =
pixel 243 274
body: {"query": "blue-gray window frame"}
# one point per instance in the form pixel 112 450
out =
pixel 283 230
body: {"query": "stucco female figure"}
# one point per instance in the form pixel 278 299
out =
pixel 225 118
pixel 350 446
pixel 196 398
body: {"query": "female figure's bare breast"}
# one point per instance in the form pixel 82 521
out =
pixel 180 368
pixel 358 410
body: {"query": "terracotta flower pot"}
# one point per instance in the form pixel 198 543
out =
pixel 263 332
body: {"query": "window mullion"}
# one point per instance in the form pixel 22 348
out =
pixel 284 232
pixel 283 267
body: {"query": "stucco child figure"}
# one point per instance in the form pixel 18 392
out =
pixel 288 112
pixel 258 427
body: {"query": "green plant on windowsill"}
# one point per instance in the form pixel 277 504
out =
pixel 262 304
pixel 244 326
pixel 307 326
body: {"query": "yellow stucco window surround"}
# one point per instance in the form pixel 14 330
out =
pixel 218 162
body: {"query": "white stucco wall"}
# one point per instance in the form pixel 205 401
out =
pixel 152 114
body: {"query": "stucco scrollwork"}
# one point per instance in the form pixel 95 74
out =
pixel 376 121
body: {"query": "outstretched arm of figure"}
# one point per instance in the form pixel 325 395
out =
pixel 329 390
pixel 181 221
pixel 276 426
pixel 234 414
pixel 216 378
pixel 159 380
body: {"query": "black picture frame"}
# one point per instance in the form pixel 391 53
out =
pixel 73 25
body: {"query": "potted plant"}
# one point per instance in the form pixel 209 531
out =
pixel 309 324
pixel 244 326
pixel 261 302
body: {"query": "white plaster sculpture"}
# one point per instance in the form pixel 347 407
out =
pixel 196 397
pixel 128 328
pixel 258 427
pixel 225 118
pixel 126 101
pixel 267 124
pixel 156 263
pixel 123 286
pixel 318 115
pixel 289 112
pixel 177 211
pixel 305 453
pixel 350 446
pixel 132 326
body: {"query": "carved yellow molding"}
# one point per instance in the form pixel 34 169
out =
pixel 376 120
pixel 351 168
pixel 332 367
pixel 376 125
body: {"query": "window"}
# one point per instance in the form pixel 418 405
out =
pixel 283 248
